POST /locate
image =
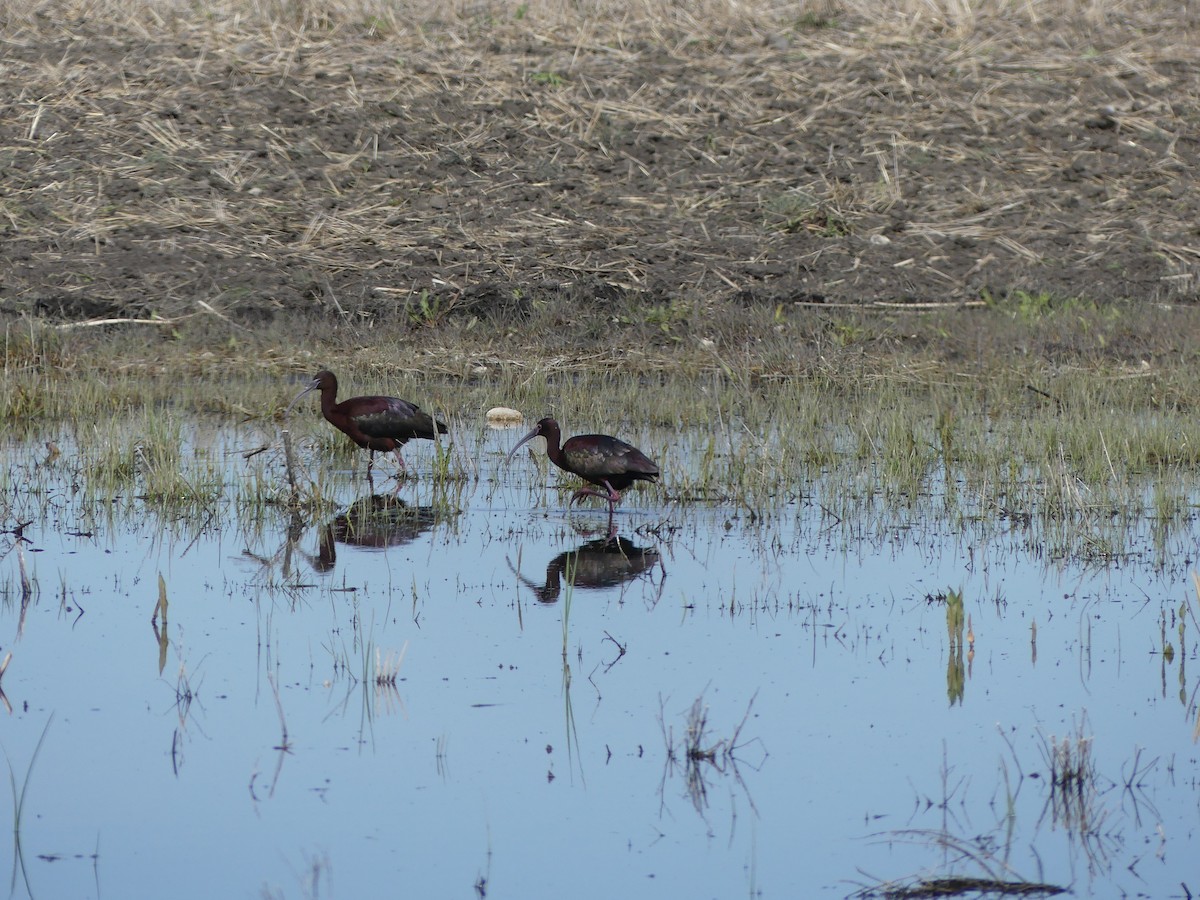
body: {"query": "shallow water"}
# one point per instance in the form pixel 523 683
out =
pixel 246 748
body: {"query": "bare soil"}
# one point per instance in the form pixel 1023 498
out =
pixel 302 173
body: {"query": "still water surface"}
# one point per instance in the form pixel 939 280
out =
pixel 246 748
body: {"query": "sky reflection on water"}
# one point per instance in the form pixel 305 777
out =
pixel 867 749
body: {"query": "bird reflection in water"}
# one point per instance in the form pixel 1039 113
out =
pixel 601 563
pixel 375 521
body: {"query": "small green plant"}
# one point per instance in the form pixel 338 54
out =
pixel 548 79
pixel 1034 306
pixel 665 317
pixel 796 210
pixel 847 334
pixel 428 310
pixel 812 20
pixel 378 25
pixel 1042 306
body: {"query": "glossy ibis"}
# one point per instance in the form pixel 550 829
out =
pixel 374 423
pixel 603 460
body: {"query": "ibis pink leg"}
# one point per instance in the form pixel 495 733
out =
pixel 613 497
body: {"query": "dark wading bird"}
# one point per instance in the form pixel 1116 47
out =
pixel 603 460
pixel 374 423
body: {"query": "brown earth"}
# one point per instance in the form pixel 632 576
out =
pixel 216 169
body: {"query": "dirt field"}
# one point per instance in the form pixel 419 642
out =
pixel 372 169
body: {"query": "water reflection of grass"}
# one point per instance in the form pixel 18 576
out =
pixel 1074 794
pixel 379 684
pixel 975 861
pixel 18 799
pixel 956 678
pixel 572 735
pixel 700 752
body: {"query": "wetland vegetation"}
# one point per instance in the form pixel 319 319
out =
pixel 901 300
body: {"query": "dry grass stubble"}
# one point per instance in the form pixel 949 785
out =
pixel 259 179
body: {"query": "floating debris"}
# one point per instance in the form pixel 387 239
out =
pixel 504 417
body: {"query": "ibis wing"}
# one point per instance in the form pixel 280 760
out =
pixel 391 417
pixel 601 456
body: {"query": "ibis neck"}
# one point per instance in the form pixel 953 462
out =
pixel 328 398
pixel 553 450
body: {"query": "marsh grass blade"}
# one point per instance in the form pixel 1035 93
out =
pixel 569 572
pixel 161 606
pixel 160 634
pixel 19 806
pixel 289 457
pixel 955 668
pixel 4 697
